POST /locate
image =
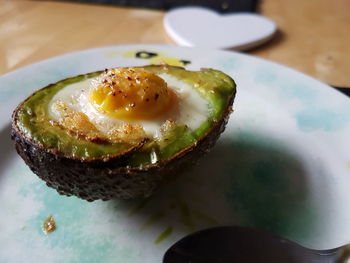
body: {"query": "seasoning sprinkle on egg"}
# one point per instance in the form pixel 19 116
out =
pixel 124 93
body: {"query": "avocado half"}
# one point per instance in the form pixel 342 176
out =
pixel 91 170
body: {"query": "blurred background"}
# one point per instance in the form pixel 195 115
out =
pixel 313 36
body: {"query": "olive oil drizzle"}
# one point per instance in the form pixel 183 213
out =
pixel 49 225
pixel 166 233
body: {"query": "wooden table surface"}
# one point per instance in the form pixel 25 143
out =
pixel 313 36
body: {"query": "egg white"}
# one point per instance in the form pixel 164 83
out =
pixel 192 109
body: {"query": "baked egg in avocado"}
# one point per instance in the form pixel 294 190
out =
pixel 118 133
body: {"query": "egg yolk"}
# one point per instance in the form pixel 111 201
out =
pixel 131 94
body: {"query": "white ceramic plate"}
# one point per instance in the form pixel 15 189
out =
pixel 283 164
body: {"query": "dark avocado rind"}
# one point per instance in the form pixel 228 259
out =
pixel 108 178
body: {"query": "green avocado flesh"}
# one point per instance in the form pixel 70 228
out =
pixel 34 122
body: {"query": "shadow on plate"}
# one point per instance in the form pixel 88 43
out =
pixel 7 148
pixel 251 181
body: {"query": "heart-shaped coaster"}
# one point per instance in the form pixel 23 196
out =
pixel 197 26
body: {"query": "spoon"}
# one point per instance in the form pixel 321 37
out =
pixel 247 245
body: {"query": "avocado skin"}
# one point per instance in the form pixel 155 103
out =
pixel 109 179
pixel 104 180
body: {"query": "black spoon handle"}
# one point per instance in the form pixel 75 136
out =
pixel 242 245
